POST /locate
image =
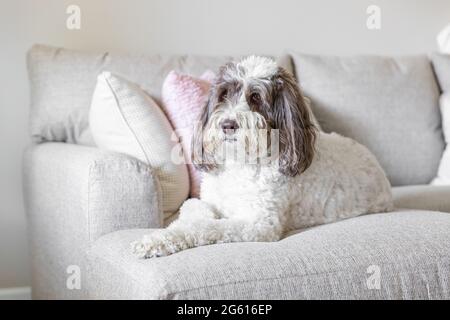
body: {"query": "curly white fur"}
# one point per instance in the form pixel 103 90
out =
pixel 256 203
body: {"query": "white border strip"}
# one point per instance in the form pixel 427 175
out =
pixel 18 293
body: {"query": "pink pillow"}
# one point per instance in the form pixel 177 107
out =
pixel 183 97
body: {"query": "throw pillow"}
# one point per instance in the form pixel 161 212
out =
pixel 183 98
pixel 441 64
pixel 443 176
pixel 125 119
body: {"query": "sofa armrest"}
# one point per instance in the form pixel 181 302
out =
pixel 73 195
pixel 95 190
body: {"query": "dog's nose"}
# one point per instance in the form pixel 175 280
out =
pixel 229 126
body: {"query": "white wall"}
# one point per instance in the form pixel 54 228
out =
pixel 180 26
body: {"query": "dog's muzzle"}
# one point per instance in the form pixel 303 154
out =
pixel 229 126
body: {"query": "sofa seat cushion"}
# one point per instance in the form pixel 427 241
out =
pixel 406 250
pixel 423 197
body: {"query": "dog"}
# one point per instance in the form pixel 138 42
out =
pixel 300 179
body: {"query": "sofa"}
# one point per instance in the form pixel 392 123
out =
pixel 86 205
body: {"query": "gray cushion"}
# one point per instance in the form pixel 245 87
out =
pixel 331 261
pixel 388 104
pixel 441 64
pixel 424 197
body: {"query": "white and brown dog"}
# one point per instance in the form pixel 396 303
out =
pixel 315 178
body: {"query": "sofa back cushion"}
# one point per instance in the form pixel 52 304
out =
pixel 388 104
pixel 62 83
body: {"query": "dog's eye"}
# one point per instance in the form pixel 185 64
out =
pixel 223 95
pixel 255 98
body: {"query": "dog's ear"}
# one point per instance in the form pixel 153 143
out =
pixel 293 119
pixel 201 158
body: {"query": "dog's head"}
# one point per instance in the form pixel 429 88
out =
pixel 246 98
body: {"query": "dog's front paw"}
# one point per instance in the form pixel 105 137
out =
pixel 154 245
pixel 149 249
pixel 138 248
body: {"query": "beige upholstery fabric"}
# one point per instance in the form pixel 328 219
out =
pixel 333 261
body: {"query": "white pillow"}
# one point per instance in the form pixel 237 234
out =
pixel 125 119
pixel 443 176
pixel 443 40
